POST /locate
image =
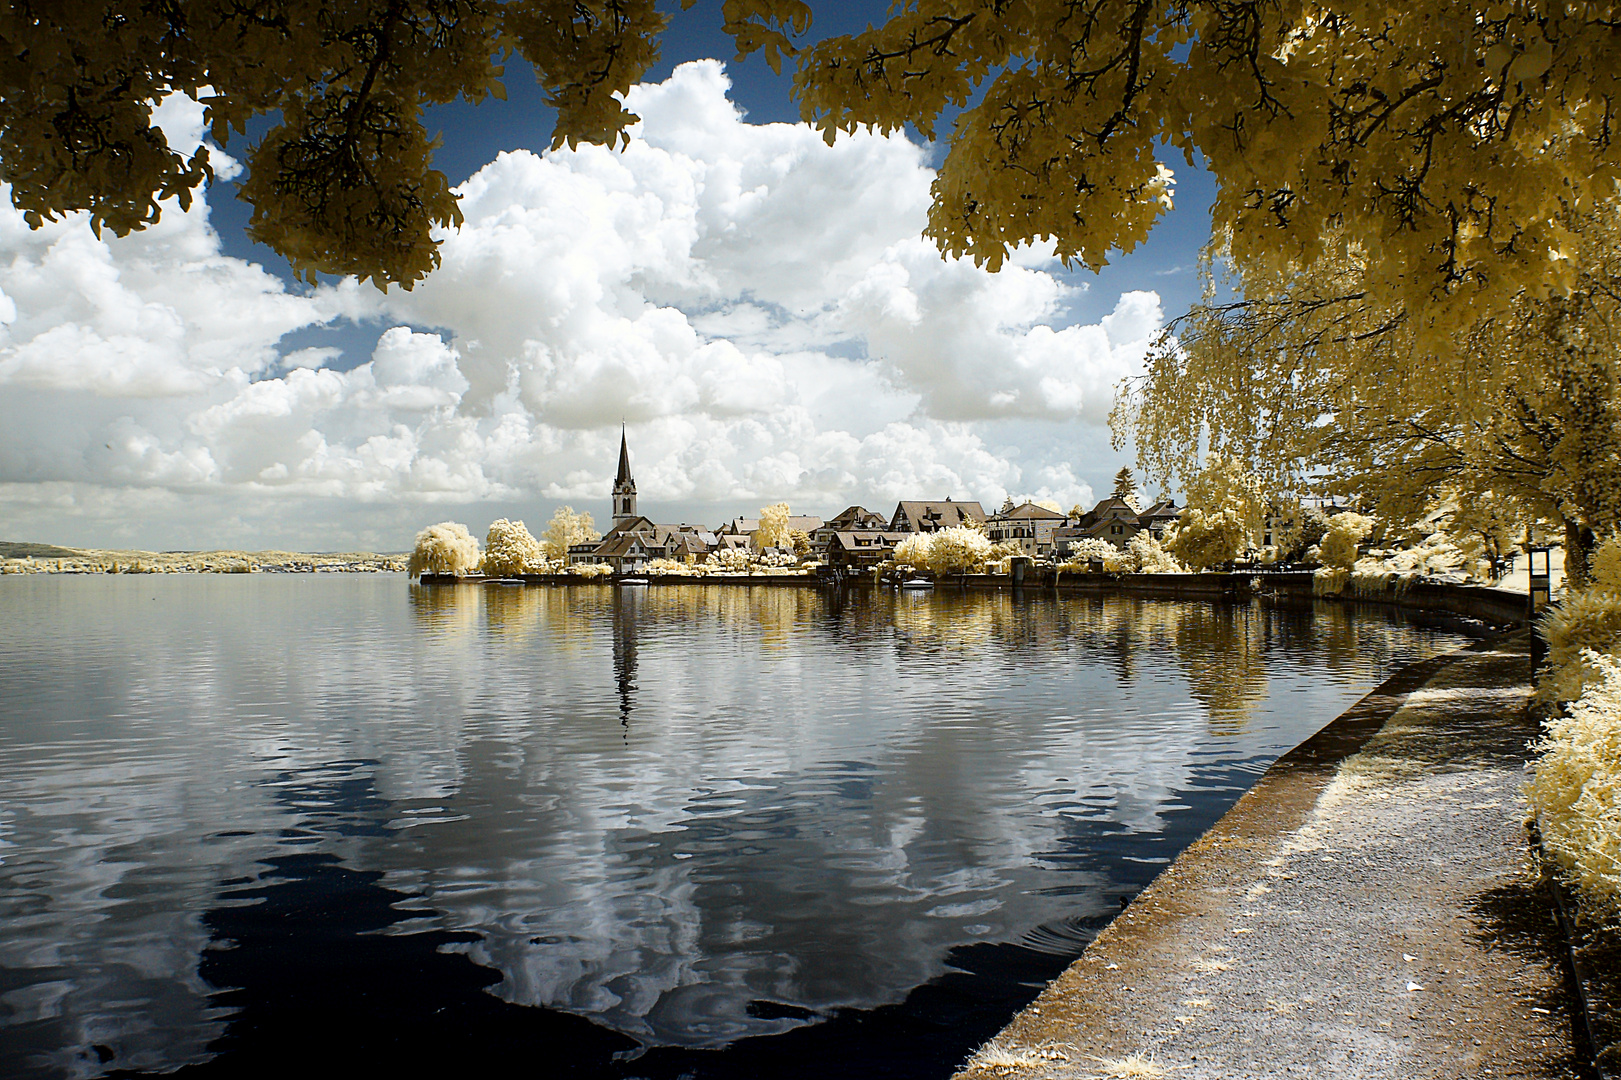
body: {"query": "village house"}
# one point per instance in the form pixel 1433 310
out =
pixel 856 519
pixel 1117 521
pixel 856 551
pixel 1028 525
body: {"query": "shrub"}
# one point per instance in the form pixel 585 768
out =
pixel 668 566
pixel 591 570
pixel 1604 565
pixel 1146 555
pixel 510 549
pixel 733 560
pixel 1203 539
pixel 1582 623
pixel 445 548
pixel 1576 790
pixel 957 550
pixel 913 551
pixel 1330 580
pixel 1084 553
pixel 1343 533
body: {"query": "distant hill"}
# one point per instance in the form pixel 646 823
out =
pixel 11 550
pixel 16 557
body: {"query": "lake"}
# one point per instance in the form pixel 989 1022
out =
pixel 260 822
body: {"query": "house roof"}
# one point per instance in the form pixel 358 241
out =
pixel 623 544
pixel 1031 512
pixel 1165 508
pixel 865 540
pixel 947 512
pixel 634 525
pixel 855 516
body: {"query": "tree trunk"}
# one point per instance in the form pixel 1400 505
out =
pixel 1578 547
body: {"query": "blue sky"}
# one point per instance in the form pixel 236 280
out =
pixel 758 307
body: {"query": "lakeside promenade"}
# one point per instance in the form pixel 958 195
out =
pixel 1368 909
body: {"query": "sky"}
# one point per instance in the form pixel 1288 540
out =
pixel 758 309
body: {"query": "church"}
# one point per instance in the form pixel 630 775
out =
pixel 633 541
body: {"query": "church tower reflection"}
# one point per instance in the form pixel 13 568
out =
pixel 627 608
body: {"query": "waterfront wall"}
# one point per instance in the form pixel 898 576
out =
pixel 1498 609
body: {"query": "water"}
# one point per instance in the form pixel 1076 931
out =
pixel 697 831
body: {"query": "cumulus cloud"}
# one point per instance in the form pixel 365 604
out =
pixel 757 305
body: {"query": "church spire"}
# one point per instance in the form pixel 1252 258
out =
pixel 624 460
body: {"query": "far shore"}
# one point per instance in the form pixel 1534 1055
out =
pixel 26 558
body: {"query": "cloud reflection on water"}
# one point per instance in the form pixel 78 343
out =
pixel 692 814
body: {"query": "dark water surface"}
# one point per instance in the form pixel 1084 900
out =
pixel 252 824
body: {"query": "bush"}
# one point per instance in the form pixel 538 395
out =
pixel 1146 555
pixel 1576 791
pixel 445 548
pixel 1604 565
pixel 1084 553
pixel 1204 540
pixel 1343 533
pixel 733 560
pixel 509 549
pixel 1582 624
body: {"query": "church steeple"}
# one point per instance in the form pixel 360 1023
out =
pixel 624 491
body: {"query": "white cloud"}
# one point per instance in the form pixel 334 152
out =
pixel 759 306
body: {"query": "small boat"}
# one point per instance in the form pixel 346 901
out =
pixel 504 581
pixel 631 581
pixel 917 583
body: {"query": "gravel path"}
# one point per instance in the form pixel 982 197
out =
pixel 1365 916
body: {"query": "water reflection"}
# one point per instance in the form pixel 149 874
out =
pixel 695 817
pixel 626 602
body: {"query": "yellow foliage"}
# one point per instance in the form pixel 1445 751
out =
pixel 566 528
pixel 960 549
pixel 773 525
pixel 509 550
pixel 1585 623
pixel 445 548
pixel 1449 155
pixel 1345 531
pixel 1576 790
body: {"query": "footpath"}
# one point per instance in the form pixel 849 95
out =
pixel 1368 909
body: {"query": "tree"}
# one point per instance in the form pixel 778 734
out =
pixel 1322 386
pixel 509 549
pixel 567 528
pixel 1226 508
pixel 445 548
pixel 1452 150
pixel 1125 488
pixel 773 526
pixel 959 549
